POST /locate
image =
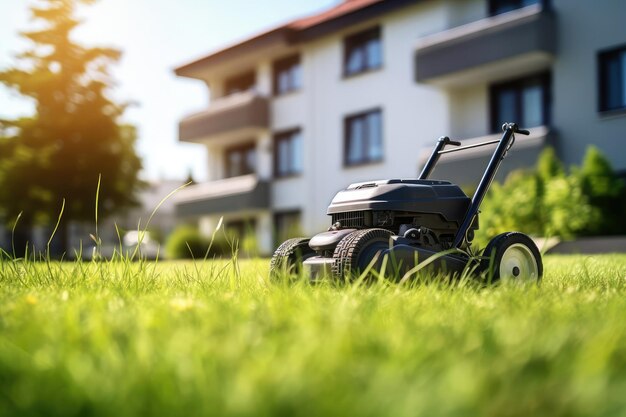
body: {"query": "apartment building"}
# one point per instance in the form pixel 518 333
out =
pixel 363 90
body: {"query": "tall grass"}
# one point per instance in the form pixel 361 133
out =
pixel 215 337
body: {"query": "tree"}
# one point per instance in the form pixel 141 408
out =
pixel 75 136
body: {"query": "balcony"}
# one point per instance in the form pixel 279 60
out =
pixel 466 167
pixel 246 192
pixel 503 46
pixel 236 115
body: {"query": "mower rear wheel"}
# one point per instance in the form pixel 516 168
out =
pixel 355 251
pixel 288 257
pixel 512 256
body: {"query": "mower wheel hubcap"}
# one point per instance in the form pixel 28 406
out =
pixel 518 262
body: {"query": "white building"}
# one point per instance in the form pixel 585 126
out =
pixel 363 90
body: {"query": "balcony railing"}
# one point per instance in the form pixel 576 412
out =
pixel 227 115
pixel 496 47
pixel 228 195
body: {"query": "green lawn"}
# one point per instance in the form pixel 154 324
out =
pixel 216 338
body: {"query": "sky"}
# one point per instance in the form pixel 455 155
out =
pixel 155 36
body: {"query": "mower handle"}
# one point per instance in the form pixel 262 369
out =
pixel 515 128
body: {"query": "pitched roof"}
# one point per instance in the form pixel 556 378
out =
pixel 345 7
pixel 344 14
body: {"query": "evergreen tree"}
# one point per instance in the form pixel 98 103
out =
pixel 75 135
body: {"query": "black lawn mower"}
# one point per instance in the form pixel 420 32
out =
pixel 399 223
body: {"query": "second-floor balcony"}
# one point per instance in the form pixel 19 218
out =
pixel 238 115
pixel 497 47
pixel 242 193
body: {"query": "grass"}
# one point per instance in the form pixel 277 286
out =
pixel 215 338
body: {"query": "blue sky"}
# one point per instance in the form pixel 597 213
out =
pixel 156 36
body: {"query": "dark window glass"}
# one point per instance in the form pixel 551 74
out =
pixel 287 225
pixel 503 6
pixel 362 52
pixel 363 138
pixel 524 101
pixel 288 153
pixel 239 83
pixel 287 75
pixel 240 160
pixel 612 71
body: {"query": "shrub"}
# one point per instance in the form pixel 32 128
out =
pixel 186 242
pixel 606 193
pixel 547 201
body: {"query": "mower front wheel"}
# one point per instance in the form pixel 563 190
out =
pixel 355 251
pixel 288 257
pixel 512 256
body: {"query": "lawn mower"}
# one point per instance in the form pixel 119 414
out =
pixel 400 223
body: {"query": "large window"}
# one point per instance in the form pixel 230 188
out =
pixel 363 141
pixel 503 6
pixel 287 75
pixel 240 83
pixel 612 77
pixel 362 52
pixel 288 153
pixel 240 160
pixel 525 101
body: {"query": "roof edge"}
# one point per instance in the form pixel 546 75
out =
pixel 297 31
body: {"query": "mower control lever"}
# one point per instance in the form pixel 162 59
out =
pixel 515 128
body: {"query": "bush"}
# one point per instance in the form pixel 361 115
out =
pixel 606 192
pixel 547 201
pixel 186 242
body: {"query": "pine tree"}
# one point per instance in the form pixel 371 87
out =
pixel 75 135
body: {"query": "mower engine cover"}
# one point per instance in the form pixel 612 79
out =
pixel 403 196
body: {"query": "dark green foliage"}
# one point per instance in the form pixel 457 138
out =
pixel 186 242
pixel 76 133
pixel 606 192
pixel 546 201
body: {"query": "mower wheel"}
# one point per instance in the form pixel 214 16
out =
pixel 512 256
pixel 288 257
pixel 355 251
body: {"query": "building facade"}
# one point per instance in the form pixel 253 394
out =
pixel 363 90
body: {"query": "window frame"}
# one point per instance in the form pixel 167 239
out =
pixel 347 126
pixel 285 64
pixel 242 148
pixel 518 84
pixel 602 58
pixel 285 135
pixel 359 40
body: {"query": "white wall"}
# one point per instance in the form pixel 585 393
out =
pixel 584 28
pixel 413 115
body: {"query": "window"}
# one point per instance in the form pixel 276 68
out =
pixel 363 141
pixel 503 6
pixel 240 160
pixel 525 101
pixel 287 225
pixel 362 52
pixel 239 83
pixel 612 77
pixel 287 75
pixel 288 153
